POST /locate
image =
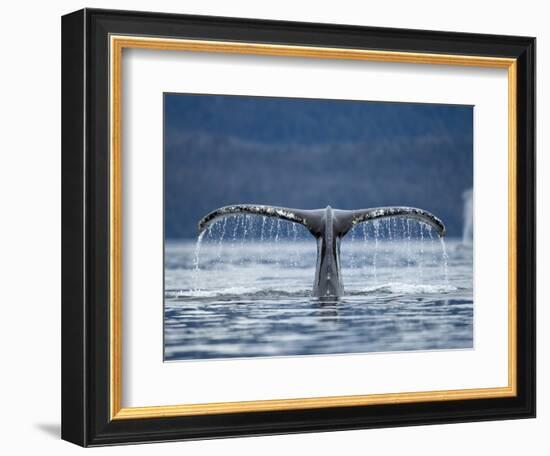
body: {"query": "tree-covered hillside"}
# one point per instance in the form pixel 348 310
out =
pixel 222 150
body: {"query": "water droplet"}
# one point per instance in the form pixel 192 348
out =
pixel 196 260
pixel 445 259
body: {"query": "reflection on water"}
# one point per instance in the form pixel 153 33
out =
pixel 248 298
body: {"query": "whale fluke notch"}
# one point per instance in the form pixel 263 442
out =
pixel 328 226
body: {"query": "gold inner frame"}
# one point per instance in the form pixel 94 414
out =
pixel 117 44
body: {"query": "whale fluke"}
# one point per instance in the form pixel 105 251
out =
pixel 328 226
pixel 285 213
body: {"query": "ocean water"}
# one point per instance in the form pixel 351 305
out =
pixel 245 291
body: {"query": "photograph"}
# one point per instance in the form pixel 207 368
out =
pixel 300 227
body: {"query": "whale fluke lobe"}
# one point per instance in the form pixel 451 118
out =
pixel 328 226
pixel 285 213
pixel 365 215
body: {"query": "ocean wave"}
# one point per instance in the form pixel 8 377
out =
pixel 409 288
pixel 238 292
pixel 243 292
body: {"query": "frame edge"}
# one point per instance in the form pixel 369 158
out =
pixel 82 387
pixel 73 303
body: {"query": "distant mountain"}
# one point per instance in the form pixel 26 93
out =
pixel 312 121
pixel 308 154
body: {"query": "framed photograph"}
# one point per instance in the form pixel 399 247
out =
pixel 277 227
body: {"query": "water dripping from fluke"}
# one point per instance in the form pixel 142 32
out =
pixel 220 243
pixel 196 261
pixel 374 257
pixel 328 226
pixel 445 259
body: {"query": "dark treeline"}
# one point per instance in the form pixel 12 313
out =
pixel 309 154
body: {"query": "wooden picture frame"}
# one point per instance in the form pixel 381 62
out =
pixel 92 46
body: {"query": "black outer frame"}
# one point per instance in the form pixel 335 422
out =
pixel 85 227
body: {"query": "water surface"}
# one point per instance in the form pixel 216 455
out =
pixel 246 292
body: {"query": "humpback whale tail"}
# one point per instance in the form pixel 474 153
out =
pixel 328 226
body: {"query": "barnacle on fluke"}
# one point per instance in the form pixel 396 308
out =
pixel 328 226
